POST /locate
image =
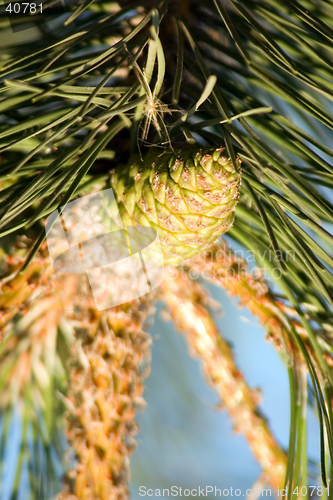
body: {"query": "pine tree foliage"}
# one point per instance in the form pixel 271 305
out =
pixel 33 367
pixel 110 358
pixel 113 79
pixel 189 307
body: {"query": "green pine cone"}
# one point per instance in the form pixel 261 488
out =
pixel 188 196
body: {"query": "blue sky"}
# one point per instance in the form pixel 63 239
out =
pixel 184 439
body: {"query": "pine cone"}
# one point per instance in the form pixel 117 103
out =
pixel 189 197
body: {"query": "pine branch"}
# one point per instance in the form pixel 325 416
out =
pixel 108 361
pixel 253 77
pixel 16 289
pixel 220 266
pixel 32 315
pixel 187 303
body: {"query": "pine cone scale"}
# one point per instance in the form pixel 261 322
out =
pixel 188 197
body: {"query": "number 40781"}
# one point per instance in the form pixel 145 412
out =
pixel 317 491
pixel 24 8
